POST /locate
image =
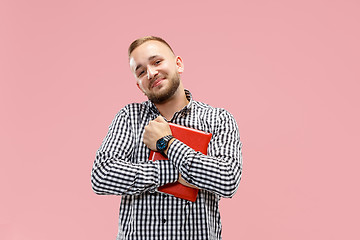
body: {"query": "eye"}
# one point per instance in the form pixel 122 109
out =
pixel 141 73
pixel 157 62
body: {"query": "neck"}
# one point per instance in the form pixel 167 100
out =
pixel 177 102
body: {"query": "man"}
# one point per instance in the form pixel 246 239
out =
pixel 122 167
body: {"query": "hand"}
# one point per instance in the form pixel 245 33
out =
pixel 155 130
pixel 185 183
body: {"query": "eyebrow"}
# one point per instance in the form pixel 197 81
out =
pixel 150 58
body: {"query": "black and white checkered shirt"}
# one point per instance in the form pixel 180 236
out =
pixel 122 168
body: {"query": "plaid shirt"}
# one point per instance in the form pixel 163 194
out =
pixel 122 168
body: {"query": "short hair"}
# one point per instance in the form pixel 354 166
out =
pixel 142 40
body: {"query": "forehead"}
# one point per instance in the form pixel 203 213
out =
pixel 142 53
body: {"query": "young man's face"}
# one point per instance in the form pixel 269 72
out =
pixel 156 70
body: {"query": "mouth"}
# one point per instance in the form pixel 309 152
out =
pixel 156 82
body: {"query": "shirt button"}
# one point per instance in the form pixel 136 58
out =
pixel 164 220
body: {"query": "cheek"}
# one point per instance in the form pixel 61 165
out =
pixel 140 84
pixel 170 69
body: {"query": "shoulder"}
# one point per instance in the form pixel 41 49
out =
pixel 215 112
pixel 134 109
pixel 212 119
pixel 131 112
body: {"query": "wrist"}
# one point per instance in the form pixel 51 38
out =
pixel 168 146
pixel 162 144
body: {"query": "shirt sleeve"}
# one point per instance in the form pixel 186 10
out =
pixel 219 172
pixel 115 172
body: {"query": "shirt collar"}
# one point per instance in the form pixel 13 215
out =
pixel 190 99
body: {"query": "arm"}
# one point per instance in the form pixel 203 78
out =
pixel 115 172
pixel 155 130
pixel 219 173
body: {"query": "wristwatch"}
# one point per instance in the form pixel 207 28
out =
pixel 163 143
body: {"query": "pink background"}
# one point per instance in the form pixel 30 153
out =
pixel 287 70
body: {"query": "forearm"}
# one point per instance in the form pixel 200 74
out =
pixel 220 175
pixel 120 177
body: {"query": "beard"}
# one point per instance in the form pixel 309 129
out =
pixel 163 96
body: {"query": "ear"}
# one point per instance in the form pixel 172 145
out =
pixel 179 64
pixel 138 85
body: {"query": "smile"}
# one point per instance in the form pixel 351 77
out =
pixel 157 82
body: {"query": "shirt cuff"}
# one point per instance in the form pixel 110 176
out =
pixel 178 153
pixel 167 172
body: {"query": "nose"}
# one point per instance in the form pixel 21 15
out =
pixel 151 72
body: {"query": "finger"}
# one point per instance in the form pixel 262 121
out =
pixel 160 119
pixel 152 122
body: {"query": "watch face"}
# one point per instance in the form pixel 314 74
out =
pixel 161 144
